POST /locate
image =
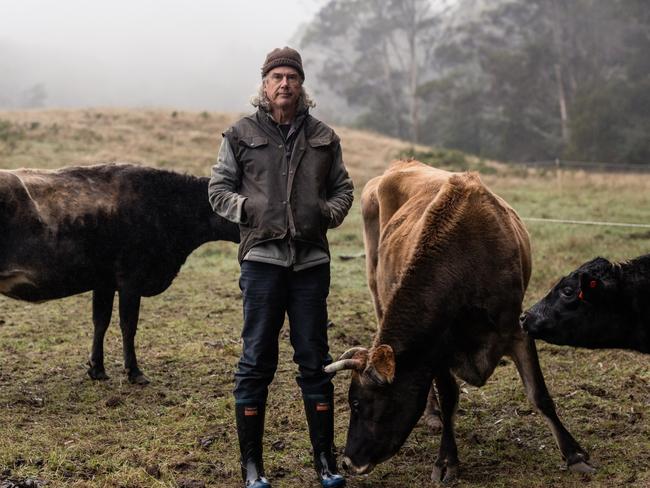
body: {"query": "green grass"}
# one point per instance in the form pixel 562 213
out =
pixel 58 425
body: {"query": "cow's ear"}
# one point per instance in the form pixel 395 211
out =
pixel 381 365
pixel 590 287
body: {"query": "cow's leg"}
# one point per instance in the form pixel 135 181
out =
pixel 370 213
pixel 525 357
pixel 432 412
pixel 129 313
pixel 445 468
pixel 102 311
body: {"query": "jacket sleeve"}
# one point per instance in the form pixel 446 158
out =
pixel 340 191
pixel 224 183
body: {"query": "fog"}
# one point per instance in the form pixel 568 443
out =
pixel 192 54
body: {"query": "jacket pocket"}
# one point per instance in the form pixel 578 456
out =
pixel 249 156
pixel 320 142
pixel 254 141
pixel 320 157
pixel 251 208
pixel 325 211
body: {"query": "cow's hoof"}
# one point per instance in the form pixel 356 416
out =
pixel 97 373
pixel 578 462
pixel 136 377
pixel 582 467
pixel 444 474
pixel 433 421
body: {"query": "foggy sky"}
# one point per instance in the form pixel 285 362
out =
pixel 192 54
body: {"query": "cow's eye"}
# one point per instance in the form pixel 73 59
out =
pixel 567 291
pixel 355 405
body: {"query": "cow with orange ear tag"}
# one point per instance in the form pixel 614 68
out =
pixel 599 305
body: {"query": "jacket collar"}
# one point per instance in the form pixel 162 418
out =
pixel 271 127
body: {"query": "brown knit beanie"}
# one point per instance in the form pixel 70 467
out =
pixel 283 57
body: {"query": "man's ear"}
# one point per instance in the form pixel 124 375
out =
pixel 381 365
pixel 590 287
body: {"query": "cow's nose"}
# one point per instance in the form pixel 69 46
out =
pixel 523 319
pixel 345 462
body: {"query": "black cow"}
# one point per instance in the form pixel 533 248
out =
pixel 599 305
pixel 105 228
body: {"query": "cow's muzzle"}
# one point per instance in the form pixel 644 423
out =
pixel 532 325
pixel 349 466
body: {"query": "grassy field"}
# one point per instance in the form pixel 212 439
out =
pixel 59 426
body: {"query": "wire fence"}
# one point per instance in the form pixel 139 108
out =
pixel 587 222
pixel 590 166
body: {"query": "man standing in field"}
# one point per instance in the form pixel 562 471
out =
pixel 281 177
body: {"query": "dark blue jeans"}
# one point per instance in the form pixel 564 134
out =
pixel 270 292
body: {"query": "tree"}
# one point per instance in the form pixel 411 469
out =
pixel 505 79
pixel 377 54
pixel 535 59
pixel 612 115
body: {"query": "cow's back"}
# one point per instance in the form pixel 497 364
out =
pixel 111 225
pixel 67 195
pixel 446 243
pixel 391 204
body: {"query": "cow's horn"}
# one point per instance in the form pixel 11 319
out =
pixel 344 364
pixel 351 352
pixel 347 360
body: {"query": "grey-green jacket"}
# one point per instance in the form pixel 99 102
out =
pixel 295 196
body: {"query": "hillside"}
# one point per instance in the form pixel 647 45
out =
pixel 183 141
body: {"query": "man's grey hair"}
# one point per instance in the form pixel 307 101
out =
pixel 261 100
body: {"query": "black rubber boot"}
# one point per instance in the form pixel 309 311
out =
pixel 250 429
pixel 320 417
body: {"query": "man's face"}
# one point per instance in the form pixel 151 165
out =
pixel 282 87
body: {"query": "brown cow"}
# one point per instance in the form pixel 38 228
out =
pixel 106 228
pixel 448 262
